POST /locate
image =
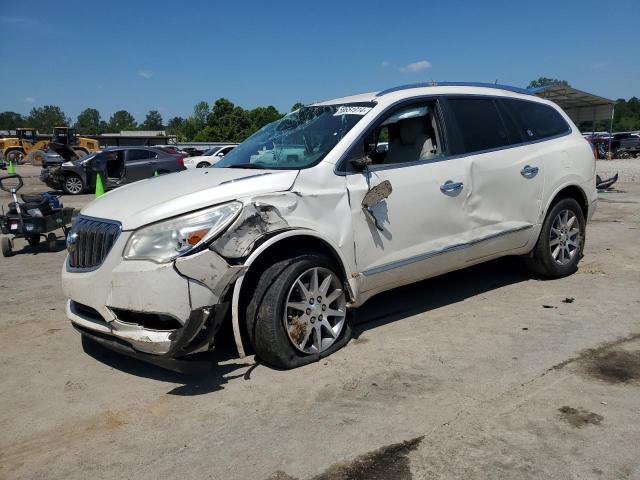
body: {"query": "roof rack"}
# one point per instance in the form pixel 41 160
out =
pixel 497 86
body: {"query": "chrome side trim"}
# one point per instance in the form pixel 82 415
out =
pixel 441 251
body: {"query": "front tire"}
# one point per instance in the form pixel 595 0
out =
pixel 561 242
pixel 202 165
pixel 297 313
pixel 73 185
pixel 14 156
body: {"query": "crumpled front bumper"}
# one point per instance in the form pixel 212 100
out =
pixel 190 291
pixel 51 177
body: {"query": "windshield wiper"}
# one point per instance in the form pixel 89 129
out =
pixel 246 165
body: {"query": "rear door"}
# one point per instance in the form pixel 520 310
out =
pixel 137 164
pixel 506 175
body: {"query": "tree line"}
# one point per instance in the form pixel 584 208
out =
pixel 221 122
pixel 225 122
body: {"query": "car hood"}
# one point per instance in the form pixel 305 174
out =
pixel 166 196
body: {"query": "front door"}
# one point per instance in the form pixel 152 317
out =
pixel 419 229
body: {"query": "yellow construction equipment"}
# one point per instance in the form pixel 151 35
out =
pixel 26 147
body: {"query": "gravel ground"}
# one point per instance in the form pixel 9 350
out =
pixel 483 373
pixel 628 170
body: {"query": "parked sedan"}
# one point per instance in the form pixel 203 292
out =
pixel 210 157
pixel 116 166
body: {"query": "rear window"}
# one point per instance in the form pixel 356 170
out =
pixel 536 121
pixel 479 124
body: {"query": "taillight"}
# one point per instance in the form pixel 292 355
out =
pixel 181 161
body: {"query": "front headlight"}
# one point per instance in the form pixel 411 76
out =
pixel 164 241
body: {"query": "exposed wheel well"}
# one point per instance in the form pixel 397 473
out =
pixel 279 250
pixel 575 192
pixel 289 245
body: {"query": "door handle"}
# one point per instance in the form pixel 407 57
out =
pixel 528 171
pixel 449 186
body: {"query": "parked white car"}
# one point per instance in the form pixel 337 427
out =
pixel 208 158
pixel 319 211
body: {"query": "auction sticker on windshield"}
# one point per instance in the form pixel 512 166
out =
pixel 351 110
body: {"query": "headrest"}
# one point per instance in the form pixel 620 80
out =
pixel 409 129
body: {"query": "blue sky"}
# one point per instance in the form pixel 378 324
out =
pixel 142 55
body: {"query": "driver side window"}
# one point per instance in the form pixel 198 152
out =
pixel 408 134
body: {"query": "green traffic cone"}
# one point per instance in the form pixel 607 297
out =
pixel 155 173
pixel 99 186
pixel 12 169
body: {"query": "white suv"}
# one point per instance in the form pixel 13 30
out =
pixel 321 210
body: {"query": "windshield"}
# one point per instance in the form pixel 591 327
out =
pixel 299 140
pixel 211 151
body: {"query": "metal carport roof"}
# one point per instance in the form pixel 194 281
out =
pixel 580 106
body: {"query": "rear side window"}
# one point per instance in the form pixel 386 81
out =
pixel 137 155
pixel 480 126
pixel 536 121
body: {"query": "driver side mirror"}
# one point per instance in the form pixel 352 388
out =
pixel 360 163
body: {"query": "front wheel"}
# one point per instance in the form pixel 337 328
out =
pixel 561 241
pixel 73 185
pixel 202 165
pixel 15 156
pixel 297 313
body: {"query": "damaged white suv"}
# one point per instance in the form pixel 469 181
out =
pixel 319 211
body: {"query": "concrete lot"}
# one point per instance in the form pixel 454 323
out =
pixel 484 373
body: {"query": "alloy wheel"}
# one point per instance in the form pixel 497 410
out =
pixel 74 185
pixel 315 310
pixel 564 237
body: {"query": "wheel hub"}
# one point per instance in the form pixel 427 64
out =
pixel 315 310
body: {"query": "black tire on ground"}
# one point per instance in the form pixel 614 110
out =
pixel 265 312
pixel 7 246
pixel 541 261
pixel 202 165
pixel 73 184
pixel 33 240
pixel 36 157
pixel 52 241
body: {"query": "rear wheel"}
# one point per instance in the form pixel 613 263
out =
pixel 202 165
pixel 36 157
pixel 6 245
pixel 52 241
pixel 297 313
pixel 73 185
pixel 561 241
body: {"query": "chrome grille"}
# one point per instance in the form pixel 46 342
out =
pixel 90 241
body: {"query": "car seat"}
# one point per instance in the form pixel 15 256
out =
pixel 414 139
